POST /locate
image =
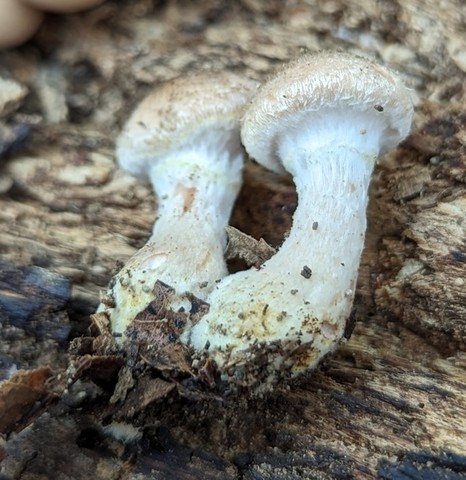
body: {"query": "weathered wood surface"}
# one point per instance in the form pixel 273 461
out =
pixel 392 402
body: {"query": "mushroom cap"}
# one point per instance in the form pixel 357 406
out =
pixel 325 82
pixel 182 112
pixel 18 23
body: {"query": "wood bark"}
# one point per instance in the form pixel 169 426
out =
pixel 391 403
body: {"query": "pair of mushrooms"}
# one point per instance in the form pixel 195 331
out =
pixel 325 119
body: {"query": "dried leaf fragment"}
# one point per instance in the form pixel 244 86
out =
pixel 21 395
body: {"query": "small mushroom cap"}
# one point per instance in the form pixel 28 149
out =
pixel 180 113
pixel 18 23
pixel 325 82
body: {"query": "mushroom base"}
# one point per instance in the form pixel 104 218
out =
pixel 152 349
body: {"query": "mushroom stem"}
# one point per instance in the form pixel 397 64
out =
pixel 293 310
pixel 327 237
pixel 186 248
pixel 194 192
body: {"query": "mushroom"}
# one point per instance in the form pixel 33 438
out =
pixel 59 6
pixel 18 23
pixel 185 138
pixel 324 119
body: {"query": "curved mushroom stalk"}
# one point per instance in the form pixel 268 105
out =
pixel 186 248
pixel 281 319
pixel 185 138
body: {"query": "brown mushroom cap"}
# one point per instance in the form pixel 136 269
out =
pixel 321 83
pixel 181 112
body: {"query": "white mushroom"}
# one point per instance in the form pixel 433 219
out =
pixel 325 119
pixel 185 138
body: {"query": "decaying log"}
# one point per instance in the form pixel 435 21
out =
pixel 421 276
pixel 33 298
pixel 390 404
pixel 379 407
